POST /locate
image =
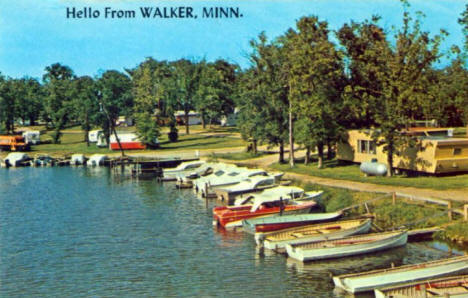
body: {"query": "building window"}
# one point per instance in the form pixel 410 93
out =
pixel 366 146
pixel 457 151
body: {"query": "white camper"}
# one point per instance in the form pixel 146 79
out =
pixel 32 137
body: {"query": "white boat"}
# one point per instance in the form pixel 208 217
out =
pixel 16 159
pixel 223 170
pixel 349 246
pixel 277 240
pixel 77 159
pixel 285 192
pixel 97 160
pixel 249 185
pixel 452 286
pixel 235 176
pixel 368 281
pixel 185 167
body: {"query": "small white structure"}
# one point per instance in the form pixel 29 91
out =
pixel 32 137
pixel 93 135
pixel 231 119
pixel 16 159
pixel 193 117
pixel 97 160
pixel 101 140
pixel 78 159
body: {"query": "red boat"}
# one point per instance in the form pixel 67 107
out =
pixel 232 216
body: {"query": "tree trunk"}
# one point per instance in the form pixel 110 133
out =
pixel 320 156
pixel 307 156
pixel 254 146
pixel 203 120
pixel 390 158
pixel 291 138
pixel 281 152
pixel 329 151
pixel 186 122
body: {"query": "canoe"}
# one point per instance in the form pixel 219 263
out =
pixel 230 217
pixel 453 286
pixel 317 232
pixel 368 281
pixel 275 223
pixel 349 246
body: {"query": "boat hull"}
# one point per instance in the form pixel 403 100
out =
pixel 280 246
pixel 232 217
pixel 455 286
pixel 284 222
pixel 368 281
pixel 339 251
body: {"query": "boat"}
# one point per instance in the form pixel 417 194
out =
pixel 16 159
pixel 275 223
pixel 44 160
pixel 206 188
pixel 368 281
pixel 185 167
pixel 78 159
pixel 231 217
pixel 185 180
pixel 97 160
pixel 249 185
pixel 313 232
pixel 349 246
pixel 453 286
pixel 286 192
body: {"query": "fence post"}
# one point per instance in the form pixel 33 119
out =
pixel 465 212
pixel 449 206
pixel 393 198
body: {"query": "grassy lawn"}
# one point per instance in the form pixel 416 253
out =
pixel 72 141
pixel 336 170
pixel 239 155
pixel 411 214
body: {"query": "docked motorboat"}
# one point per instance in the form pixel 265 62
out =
pixel 78 159
pixel 246 186
pixel 97 160
pixel 230 217
pixel 185 167
pixel 16 159
pixel 44 160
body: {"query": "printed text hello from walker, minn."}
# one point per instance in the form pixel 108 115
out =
pixel 154 12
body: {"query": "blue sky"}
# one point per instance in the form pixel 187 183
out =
pixel 35 34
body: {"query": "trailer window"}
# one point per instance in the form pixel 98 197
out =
pixel 457 151
pixel 366 146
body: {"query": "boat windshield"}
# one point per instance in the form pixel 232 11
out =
pixel 219 173
pixel 233 174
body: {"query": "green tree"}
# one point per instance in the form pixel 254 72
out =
pixel 398 74
pixel 316 81
pixel 8 95
pixel 85 104
pixel 59 89
pixel 213 96
pixel 115 99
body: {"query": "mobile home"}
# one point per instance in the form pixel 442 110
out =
pixel 435 151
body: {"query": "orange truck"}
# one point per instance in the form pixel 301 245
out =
pixel 13 143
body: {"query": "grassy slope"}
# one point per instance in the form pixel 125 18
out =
pixel 351 172
pixel 72 141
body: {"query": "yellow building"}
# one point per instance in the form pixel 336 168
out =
pixel 435 151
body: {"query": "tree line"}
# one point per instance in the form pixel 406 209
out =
pixel 304 87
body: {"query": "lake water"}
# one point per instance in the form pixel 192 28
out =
pixel 85 232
